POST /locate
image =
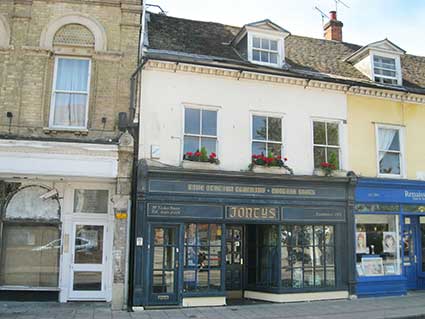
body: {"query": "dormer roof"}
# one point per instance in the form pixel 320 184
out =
pixel 383 46
pixel 265 25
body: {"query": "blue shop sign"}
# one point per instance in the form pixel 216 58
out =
pixel 390 195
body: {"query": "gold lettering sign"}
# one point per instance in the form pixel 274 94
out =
pixel 253 213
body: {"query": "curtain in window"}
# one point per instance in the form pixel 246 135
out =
pixel 386 138
pixel 71 92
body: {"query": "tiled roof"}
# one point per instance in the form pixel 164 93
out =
pixel 305 56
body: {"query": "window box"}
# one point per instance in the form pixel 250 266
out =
pixel 335 173
pixel 200 165
pixel 270 170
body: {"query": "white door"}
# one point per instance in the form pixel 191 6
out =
pixel 88 261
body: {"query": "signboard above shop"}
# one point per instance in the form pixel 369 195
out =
pixel 234 189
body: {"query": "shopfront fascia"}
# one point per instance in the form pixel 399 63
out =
pixel 390 236
pixel 203 237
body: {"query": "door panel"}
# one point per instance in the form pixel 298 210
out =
pixel 164 264
pixel 88 265
pixel 410 251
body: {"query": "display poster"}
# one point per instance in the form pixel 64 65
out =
pixel 361 247
pixel 389 242
pixel 372 266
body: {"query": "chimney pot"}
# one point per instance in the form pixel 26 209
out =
pixel 333 29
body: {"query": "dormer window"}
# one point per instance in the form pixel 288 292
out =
pixel 265 50
pixel 262 42
pixel 385 70
pixel 380 62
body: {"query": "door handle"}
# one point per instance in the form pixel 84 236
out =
pixel 416 260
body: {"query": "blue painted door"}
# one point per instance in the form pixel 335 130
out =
pixel 411 243
pixel 164 265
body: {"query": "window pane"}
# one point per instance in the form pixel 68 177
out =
pixel 319 132
pixel 256 42
pixel 87 281
pixel 259 148
pixel 333 153
pixel 273 45
pixel 273 58
pixel 389 163
pixel 265 44
pixel 256 55
pixel 210 144
pixel 72 75
pixel 191 144
pixel 275 129
pixel 275 149
pixel 30 256
pixel 259 124
pixel 215 279
pixel 203 233
pixel 319 156
pixel 91 201
pixel 192 118
pixel 190 234
pixel 333 136
pixel 377 245
pixel 88 247
pixel 389 139
pixel 264 56
pixel 70 109
pixel 209 122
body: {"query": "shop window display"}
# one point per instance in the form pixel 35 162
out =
pixel 377 245
pixel 202 257
pixel 308 259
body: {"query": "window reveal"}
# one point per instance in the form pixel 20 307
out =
pixel 308 256
pixel 202 257
pixel 200 130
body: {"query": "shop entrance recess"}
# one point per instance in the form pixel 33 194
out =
pixel 414 250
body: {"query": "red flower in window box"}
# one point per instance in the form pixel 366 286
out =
pixel 201 156
pixel 269 161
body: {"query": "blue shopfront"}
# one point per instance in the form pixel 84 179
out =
pixel 390 236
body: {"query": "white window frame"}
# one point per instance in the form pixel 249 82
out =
pixel 54 91
pixel 397 69
pixel 401 152
pixel 267 141
pixel 340 140
pixel 200 135
pixel 273 37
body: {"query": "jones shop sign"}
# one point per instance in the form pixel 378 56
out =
pixel 256 213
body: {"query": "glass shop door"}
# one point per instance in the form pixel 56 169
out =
pixel 164 256
pixel 88 265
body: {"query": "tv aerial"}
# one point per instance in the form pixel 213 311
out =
pixel 324 15
pixel 337 2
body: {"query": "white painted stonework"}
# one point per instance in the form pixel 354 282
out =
pixel 165 93
pixel 58 159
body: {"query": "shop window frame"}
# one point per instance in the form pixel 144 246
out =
pixel 4 221
pixel 400 215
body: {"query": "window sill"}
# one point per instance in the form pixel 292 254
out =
pixel 336 173
pixel 55 130
pixel 23 288
pixel 390 176
pixel 200 165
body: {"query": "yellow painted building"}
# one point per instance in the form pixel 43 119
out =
pixel 365 114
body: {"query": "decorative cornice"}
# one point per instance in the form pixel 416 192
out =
pixel 322 85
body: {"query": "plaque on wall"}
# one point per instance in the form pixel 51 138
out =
pixel 185 211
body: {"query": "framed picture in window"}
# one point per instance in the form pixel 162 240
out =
pixel 372 266
pixel 361 247
pixel 389 242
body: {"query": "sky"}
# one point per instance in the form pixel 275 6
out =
pixel 365 21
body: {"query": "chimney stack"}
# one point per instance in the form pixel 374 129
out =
pixel 333 29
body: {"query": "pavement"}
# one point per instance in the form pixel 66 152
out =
pixel 410 306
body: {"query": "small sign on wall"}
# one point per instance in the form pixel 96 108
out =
pixel 121 215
